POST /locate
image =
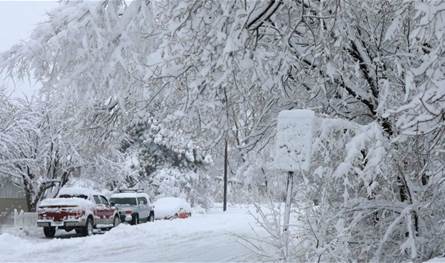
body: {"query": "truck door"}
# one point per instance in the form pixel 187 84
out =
pixel 99 210
pixel 108 210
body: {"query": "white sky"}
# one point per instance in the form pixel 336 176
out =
pixel 17 20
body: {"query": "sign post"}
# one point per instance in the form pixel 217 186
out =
pixel 287 207
pixel 293 154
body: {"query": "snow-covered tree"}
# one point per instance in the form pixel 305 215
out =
pixel 216 71
pixel 371 62
pixel 34 150
pixel 342 59
pixel 163 158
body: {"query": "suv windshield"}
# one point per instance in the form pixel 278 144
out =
pixel 123 201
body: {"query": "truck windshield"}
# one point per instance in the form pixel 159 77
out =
pixel 123 201
pixel 73 196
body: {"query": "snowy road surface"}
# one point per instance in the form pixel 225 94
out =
pixel 201 238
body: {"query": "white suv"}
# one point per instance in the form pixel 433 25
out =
pixel 133 206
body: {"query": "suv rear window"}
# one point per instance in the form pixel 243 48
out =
pixel 123 201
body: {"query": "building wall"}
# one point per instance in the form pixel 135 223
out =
pixel 9 204
pixel 11 196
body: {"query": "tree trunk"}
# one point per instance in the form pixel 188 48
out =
pixel 28 188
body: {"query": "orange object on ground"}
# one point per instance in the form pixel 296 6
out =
pixel 183 215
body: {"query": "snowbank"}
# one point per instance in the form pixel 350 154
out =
pixel 437 260
pixel 201 238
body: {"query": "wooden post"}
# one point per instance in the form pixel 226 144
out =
pixel 225 176
pixel 287 212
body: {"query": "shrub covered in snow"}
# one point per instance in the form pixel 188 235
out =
pixel 202 73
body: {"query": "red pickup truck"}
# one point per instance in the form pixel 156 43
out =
pixel 76 208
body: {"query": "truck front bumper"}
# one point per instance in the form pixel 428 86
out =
pixel 61 224
pixel 125 217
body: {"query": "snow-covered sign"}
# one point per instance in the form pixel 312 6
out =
pixel 294 140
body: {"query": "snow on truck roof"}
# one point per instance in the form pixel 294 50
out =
pixel 78 191
pixel 65 201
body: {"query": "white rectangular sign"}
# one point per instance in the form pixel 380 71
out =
pixel 294 140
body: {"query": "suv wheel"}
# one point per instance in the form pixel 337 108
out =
pixel 49 231
pixel 135 220
pixel 88 229
pixel 151 217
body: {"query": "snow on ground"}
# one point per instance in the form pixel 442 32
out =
pixel 437 260
pixel 206 237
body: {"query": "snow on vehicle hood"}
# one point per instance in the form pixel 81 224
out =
pixel 169 206
pixel 66 201
pixel 77 191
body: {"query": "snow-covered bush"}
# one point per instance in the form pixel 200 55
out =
pixel 166 162
pixel 202 73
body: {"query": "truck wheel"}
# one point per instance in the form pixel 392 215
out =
pixel 88 229
pixel 116 221
pixel 135 220
pixel 49 231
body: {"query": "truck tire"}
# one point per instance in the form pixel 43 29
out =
pixel 88 229
pixel 116 221
pixel 49 231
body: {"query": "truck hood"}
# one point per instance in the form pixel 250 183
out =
pixel 125 207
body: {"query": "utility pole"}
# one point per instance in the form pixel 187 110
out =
pixel 225 176
pixel 287 209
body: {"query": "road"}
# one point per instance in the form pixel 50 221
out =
pixel 210 237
